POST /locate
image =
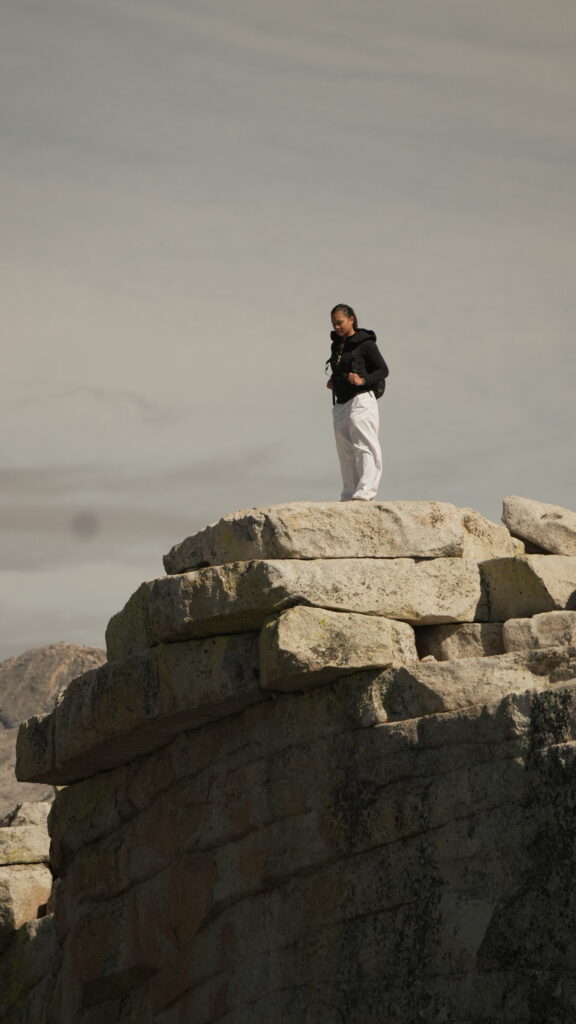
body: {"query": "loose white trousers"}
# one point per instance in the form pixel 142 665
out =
pixel 356 431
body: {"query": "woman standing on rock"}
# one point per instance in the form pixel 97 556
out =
pixel 357 380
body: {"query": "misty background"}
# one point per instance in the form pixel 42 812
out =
pixel 187 189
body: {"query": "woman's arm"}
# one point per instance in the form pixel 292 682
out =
pixel 376 368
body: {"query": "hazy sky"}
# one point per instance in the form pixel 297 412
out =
pixel 187 189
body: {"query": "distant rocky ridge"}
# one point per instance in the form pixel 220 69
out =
pixel 325 776
pixel 30 684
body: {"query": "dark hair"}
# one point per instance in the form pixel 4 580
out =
pixel 347 310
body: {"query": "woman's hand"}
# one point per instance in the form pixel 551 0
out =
pixel 353 378
pixel 330 385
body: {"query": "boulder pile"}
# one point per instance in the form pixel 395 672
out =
pixel 325 776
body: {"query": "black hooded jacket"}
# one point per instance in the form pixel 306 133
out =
pixel 357 354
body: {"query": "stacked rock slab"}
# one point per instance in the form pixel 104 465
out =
pixel 25 879
pixel 29 954
pixel 276 811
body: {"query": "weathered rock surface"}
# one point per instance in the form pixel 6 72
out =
pixel 124 709
pixel 25 878
pixel 265 855
pixel 95 807
pixel 484 539
pixel 427 688
pixel 29 684
pixel 24 888
pixel 28 814
pixel 527 585
pixel 11 791
pixel 550 527
pixel 27 974
pixel 398 529
pixel 395 844
pixel 241 596
pixel 549 629
pixel 24 844
pixel 460 640
pixel 306 646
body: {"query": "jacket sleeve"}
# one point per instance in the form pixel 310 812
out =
pixel 376 368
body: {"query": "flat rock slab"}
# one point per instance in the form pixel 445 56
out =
pixel 241 596
pixel 549 629
pixel 550 527
pixel 125 709
pixel 24 888
pixel 460 640
pixel 28 813
pixel 528 584
pixel 398 529
pixel 24 844
pixel 305 647
pixel 12 792
pixel 426 688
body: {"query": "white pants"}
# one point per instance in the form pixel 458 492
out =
pixel 356 430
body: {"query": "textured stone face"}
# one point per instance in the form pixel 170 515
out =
pixel 398 529
pixel 315 863
pixel 276 812
pixel 23 889
pixel 402 529
pixel 125 709
pixel 25 878
pixel 28 814
pixel 462 640
pixel 24 844
pixel 426 688
pixel 550 527
pixel 527 585
pixel 89 810
pixel 29 684
pixel 307 646
pixel 484 540
pixel 241 596
pixel 130 631
pixel 27 973
pixel 35 754
pixel 549 629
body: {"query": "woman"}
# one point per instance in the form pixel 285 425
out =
pixel 358 375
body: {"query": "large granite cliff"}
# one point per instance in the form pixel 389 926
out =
pixel 326 776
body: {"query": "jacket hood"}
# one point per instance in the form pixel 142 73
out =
pixel 354 339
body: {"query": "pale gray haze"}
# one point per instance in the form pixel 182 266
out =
pixel 189 187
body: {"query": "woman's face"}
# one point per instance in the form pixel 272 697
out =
pixel 342 324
